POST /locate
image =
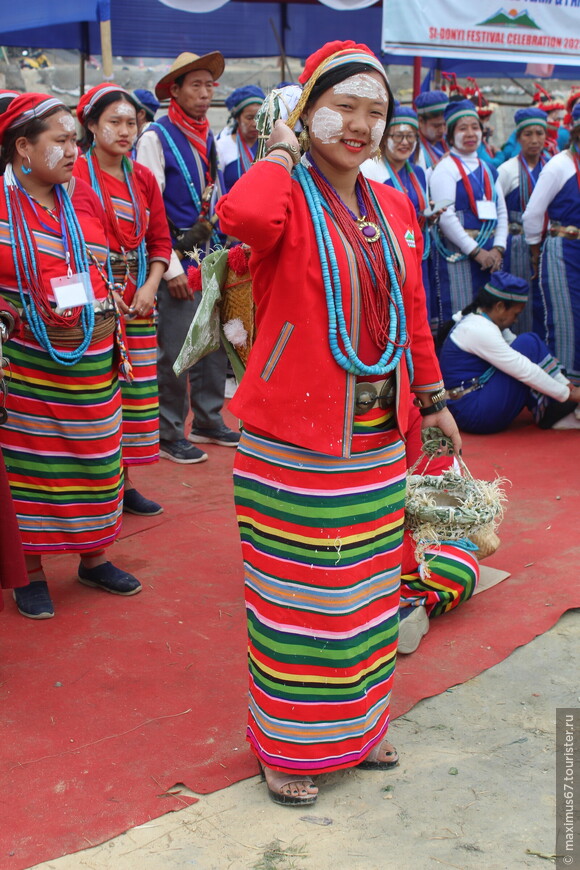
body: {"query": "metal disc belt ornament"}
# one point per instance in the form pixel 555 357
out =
pixel 366 396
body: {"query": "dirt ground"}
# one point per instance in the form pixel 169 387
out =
pixel 474 790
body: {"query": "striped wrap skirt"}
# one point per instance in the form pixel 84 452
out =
pixel 141 397
pixel 62 447
pixel 453 578
pixel 321 541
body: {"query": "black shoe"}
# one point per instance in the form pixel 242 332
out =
pixel 110 578
pixel 34 600
pixel 135 503
pixel 556 411
pixel 181 451
pixel 225 437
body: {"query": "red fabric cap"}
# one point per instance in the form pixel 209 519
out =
pixel 574 95
pixel 88 100
pixel 314 61
pixel 20 105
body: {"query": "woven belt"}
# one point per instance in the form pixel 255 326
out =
pixel 462 390
pixel 72 336
pixel 515 229
pixel 367 394
pixel 565 232
pixel 473 234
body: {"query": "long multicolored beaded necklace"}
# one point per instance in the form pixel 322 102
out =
pixel 133 239
pixel 32 288
pixel 379 275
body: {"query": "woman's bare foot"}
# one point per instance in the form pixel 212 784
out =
pixel 291 789
pixel 381 757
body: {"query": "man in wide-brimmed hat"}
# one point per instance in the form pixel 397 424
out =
pixel 180 150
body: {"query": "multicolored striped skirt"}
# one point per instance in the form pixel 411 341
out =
pixel 454 574
pixel 62 447
pixel 321 541
pixel 141 398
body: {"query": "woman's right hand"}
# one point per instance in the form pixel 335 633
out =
pixel 282 133
pixel 574 394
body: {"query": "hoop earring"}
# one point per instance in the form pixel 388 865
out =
pixel 27 169
pixel 304 139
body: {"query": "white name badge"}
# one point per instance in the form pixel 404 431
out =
pixel 72 291
pixel 486 210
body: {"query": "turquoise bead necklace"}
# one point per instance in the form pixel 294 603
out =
pixel 337 328
pixel 26 267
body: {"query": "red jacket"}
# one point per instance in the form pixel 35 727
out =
pixel 293 388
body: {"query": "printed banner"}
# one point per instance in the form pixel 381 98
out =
pixel 522 31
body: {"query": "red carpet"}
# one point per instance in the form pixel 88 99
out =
pixel 114 701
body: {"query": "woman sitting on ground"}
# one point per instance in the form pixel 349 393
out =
pixel 491 374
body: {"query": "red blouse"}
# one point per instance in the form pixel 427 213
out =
pixel 293 388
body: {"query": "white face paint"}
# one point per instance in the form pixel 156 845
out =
pixel 362 85
pixel 107 134
pixel 377 131
pixel 67 122
pixel 53 155
pixel 459 139
pixel 124 108
pixel 326 125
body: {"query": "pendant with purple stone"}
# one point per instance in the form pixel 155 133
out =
pixel 370 230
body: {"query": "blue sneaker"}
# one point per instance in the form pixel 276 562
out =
pixel 224 437
pixel 110 578
pixel 181 451
pixel 34 600
pixel 135 503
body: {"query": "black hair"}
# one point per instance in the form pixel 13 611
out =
pixel 431 116
pixel 5 102
pixel 31 131
pixel 334 76
pixel 93 116
pixel 483 300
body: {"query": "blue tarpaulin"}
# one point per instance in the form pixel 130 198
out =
pixel 148 28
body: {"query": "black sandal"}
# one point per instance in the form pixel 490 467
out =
pixel 371 761
pixel 289 800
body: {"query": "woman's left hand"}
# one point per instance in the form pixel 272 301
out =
pixel 445 421
pixel 144 300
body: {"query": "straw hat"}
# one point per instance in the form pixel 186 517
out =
pixel 187 62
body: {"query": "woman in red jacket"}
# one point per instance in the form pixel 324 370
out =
pixel 62 437
pixel 140 247
pixel 342 335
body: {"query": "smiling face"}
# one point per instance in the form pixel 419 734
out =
pixel 401 142
pixel 467 134
pixel 116 128
pixel 52 155
pixel 347 122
